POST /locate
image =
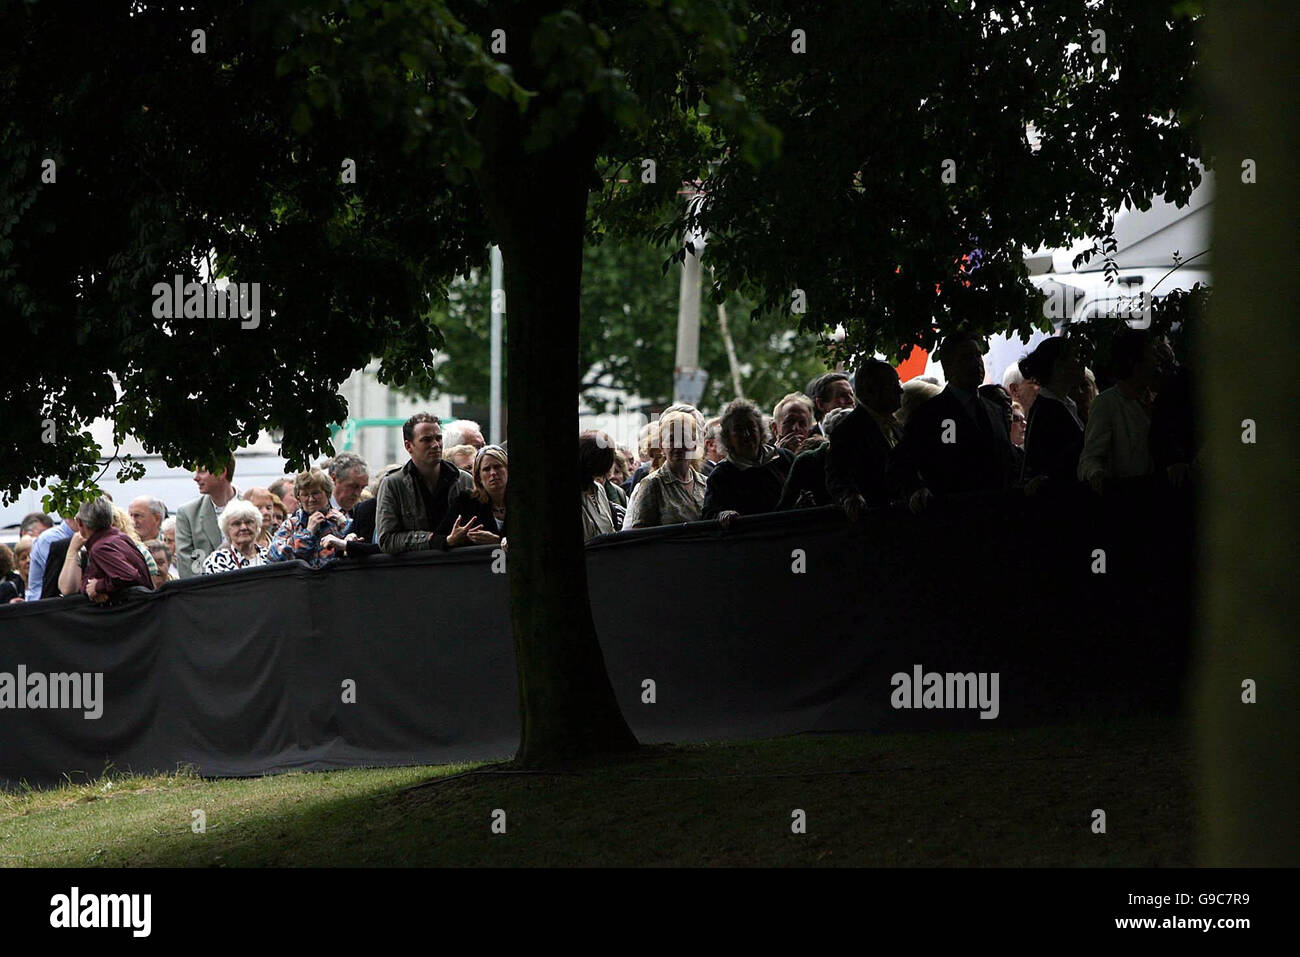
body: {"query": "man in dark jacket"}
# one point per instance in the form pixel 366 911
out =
pixel 958 441
pixel 413 500
pixel 113 562
pixel 857 465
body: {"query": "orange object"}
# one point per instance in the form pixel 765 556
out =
pixel 913 365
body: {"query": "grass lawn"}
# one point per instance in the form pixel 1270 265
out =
pixel 982 798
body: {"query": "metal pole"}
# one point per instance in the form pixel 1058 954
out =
pixel 688 331
pixel 498 312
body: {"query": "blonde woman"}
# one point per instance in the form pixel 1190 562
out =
pixel 674 492
pixel 478 517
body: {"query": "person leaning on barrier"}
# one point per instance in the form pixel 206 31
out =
pixel 959 441
pixel 750 479
pixel 862 446
pixel 240 523
pixel 413 501
pixel 113 561
pixel 478 517
pixel 805 487
pixel 595 459
pixel 316 533
pixel 77 555
pixel 674 492
pixel 363 518
pixel 1054 431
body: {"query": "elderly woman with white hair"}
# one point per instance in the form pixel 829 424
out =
pixel 674 492
pixel 240 522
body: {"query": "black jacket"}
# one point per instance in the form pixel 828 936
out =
pixel 807 474
pixel 859 459
pixel 749 491
pixel 363 524
pixel 1053 441
pixel 979 459
pixel 54 559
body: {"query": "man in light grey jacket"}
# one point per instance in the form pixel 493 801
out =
pixel 197 533
pixel 413 500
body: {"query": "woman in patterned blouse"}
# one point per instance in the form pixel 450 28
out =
pixel 240 522
pixel 315 533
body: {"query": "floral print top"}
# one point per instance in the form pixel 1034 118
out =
pixel 294 540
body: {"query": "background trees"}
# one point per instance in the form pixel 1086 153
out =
pixel 627 336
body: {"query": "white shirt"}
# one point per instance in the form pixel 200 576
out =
pixel 1115 439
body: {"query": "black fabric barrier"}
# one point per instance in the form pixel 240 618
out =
pixel 785 623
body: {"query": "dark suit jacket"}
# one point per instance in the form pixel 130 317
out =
pixel 858 460
pixel 807 474
pixel 979 459
pixel 54 560
pixel 1053 441
pixel 363 524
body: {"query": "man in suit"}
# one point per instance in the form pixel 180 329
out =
pixel 857 465
pixel 958 441
pixel 198 534
pixel 830 391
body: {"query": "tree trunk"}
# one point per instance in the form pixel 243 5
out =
pixel 1249 754
pixel 538 205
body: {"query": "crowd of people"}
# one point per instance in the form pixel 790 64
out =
pixel 856 442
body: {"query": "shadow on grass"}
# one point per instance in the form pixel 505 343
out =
pixel 984 798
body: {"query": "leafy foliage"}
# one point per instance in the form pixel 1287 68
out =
pixel 225 162
pixel 1041 124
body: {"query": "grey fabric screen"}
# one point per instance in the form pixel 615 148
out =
pixel 787 623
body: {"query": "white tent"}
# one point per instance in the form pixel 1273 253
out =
pixel 1147 242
